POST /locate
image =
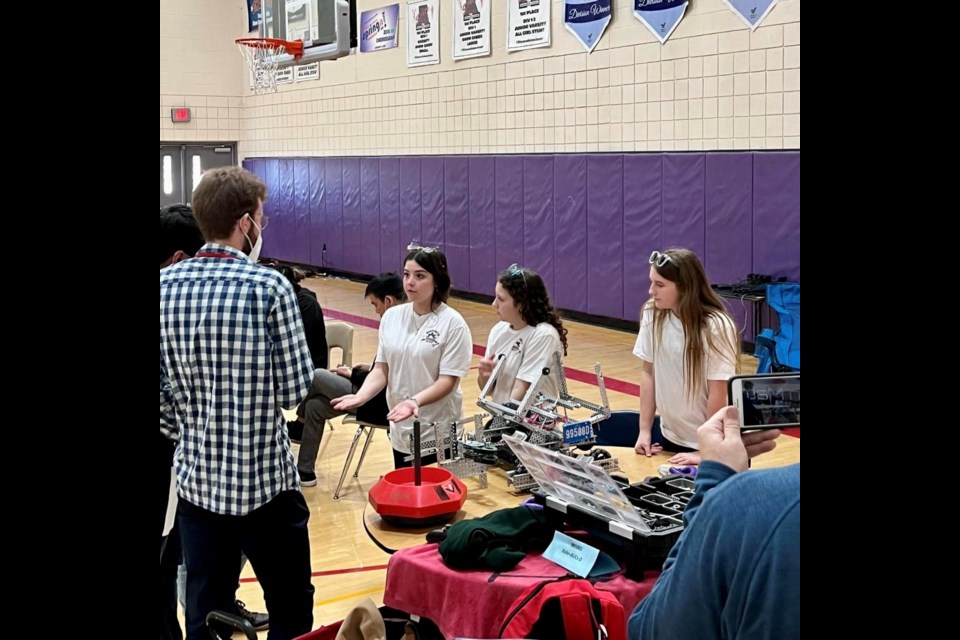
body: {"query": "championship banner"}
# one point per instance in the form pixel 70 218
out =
pixel 661 17
pixel 253 15
pixel 587 20
pixel 304 72
pixel 471 28
pixel 423 33
pixel 528 24
pixel 378 28
pixel 751 12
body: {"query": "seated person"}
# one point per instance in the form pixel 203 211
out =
pixel 528 335
pixel 424 352
pixel 312 315
pixel 735 571
pixel 383 292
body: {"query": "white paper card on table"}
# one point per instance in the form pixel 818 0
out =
pixel 571 554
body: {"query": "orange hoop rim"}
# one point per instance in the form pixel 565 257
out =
pixel 292 47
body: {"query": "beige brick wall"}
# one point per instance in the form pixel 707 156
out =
pixel 714 85
pixel 200 68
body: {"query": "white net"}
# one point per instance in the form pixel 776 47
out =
pixel 262 60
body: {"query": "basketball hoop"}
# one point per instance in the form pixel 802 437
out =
pixel 263 56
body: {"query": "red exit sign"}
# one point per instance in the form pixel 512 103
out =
pixel 180 114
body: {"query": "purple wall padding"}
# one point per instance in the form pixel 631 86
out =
pixel 538 229
pixel 300 246
pixel 431 193
pixel 410 206
pixel 456 216
pixel 369 212
pixel 273 243
pixel 605 235
pixel 352 222
pixel 286 216
pixel 587 223
pixel 317 199
pixel 390 240
pixel 683 221
pixel 509 214
pixel 334 209
pixel 729 218
pixel 776 214
pixel 570 239
pixel 483 239
pixel 642 196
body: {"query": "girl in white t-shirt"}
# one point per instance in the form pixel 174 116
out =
pixel 689 347
pixel 425 349
pixel 528 335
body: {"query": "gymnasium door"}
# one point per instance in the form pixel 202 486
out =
pixel 181 166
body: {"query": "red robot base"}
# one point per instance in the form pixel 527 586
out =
pixel 407 498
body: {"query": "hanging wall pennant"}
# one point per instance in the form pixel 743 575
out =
pixel 751 12
pixel 587 20
pixel 661 17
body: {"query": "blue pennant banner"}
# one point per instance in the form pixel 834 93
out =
pixel 587 20
pixel 752 12
pixel 661 17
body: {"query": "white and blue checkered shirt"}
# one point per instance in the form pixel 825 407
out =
pixel 232 353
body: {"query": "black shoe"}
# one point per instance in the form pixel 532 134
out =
pixel 295 429
pixel 307 479
pixel 259 621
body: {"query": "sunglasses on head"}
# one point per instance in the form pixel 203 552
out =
pixel 413 246
pixel 516 270
pixel 659 259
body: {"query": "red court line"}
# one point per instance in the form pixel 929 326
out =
pixel 334 572
pixel 349 317
pixel 589 377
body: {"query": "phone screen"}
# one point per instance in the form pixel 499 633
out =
pixel 767 401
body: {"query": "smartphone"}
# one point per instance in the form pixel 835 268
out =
pixel 766 401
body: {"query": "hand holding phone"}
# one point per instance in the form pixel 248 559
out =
pixel 721 440
pixel 766 401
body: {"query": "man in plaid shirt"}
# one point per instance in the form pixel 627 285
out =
pixel 232 354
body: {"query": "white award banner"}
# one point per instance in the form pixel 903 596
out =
pixel 471 28
pixel 528 24
pixel 423 33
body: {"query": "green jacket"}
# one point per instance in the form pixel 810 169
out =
pixel 498 541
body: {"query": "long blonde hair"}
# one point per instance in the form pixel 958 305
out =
pixel 698 306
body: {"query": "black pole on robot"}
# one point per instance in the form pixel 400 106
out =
pixel 416 453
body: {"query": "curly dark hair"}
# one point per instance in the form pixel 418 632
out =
pixel 530 295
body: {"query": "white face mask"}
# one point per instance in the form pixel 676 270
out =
pixel 254 254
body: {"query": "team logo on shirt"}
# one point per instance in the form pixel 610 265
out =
pixel 432 337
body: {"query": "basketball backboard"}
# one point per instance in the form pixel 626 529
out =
pixel 324 26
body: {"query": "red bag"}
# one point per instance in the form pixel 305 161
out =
pixel 566 609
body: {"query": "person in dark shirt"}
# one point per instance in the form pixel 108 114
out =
pixel 312 315
pixel 383 292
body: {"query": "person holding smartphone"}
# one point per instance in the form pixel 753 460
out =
pixel 735 571
pixel 689 347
